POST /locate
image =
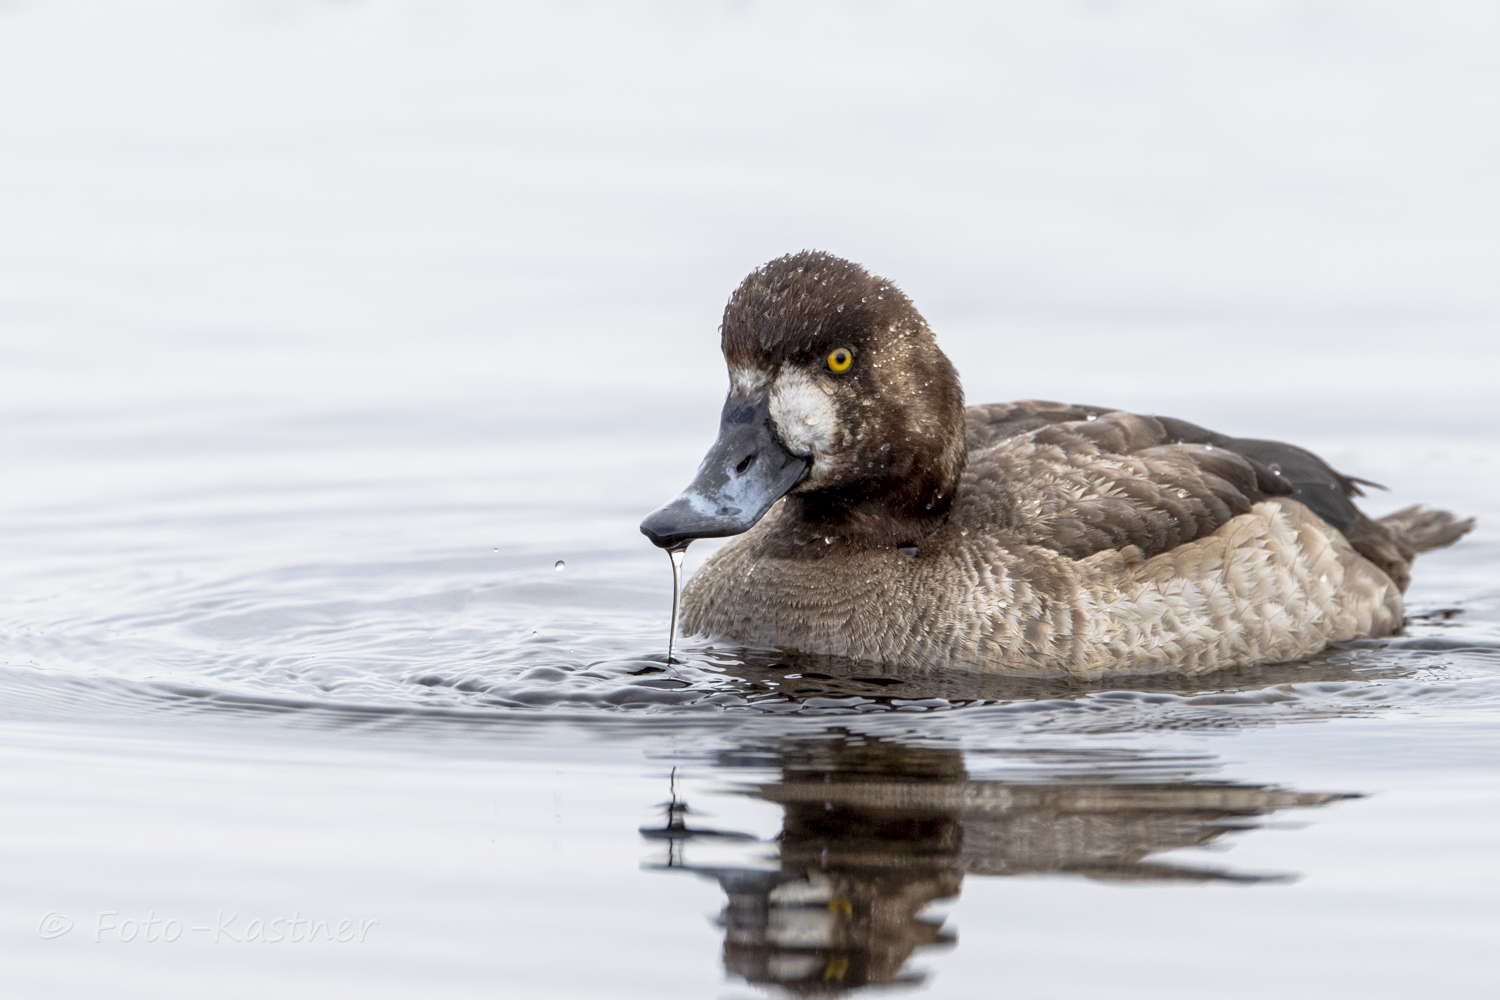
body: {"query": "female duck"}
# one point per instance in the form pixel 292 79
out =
pixel 1032 538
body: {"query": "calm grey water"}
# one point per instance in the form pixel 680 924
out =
pixel 342 347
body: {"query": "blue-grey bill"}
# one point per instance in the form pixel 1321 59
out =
pixel 745 472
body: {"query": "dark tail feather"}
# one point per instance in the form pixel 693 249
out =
pixel 1394 541
pixel 1423 530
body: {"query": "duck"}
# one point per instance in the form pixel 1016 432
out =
pixel 875 517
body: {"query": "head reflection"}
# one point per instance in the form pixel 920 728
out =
pixel 873 832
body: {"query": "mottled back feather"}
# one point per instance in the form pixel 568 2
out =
pixel 1085 479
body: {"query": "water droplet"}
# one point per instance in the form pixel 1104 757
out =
pixel 1275 469
pixel 1092 416
pixel 559 565
pixel 497 548
pixel 841 307
pixel 884 447
pixel 827 539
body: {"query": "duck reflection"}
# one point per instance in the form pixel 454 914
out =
pixel 874 832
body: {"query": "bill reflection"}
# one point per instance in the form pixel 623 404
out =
pixel 873 833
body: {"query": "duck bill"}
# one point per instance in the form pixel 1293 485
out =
pixel 744 473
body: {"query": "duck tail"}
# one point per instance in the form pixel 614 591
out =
pixel 1394 541
pixel 1421 530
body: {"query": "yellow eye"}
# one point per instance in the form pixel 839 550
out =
pixel 840 360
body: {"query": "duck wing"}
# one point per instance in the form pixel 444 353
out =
pixel 1081 479
pixel 992 422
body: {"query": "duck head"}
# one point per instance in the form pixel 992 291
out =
pixel 839 400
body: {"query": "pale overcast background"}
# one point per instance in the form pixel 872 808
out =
pixel 255 210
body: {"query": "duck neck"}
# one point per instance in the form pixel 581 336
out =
pixel 884 513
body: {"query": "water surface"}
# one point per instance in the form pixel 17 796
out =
pixel 360 689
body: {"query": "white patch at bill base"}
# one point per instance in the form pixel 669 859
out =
pixel 804 415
